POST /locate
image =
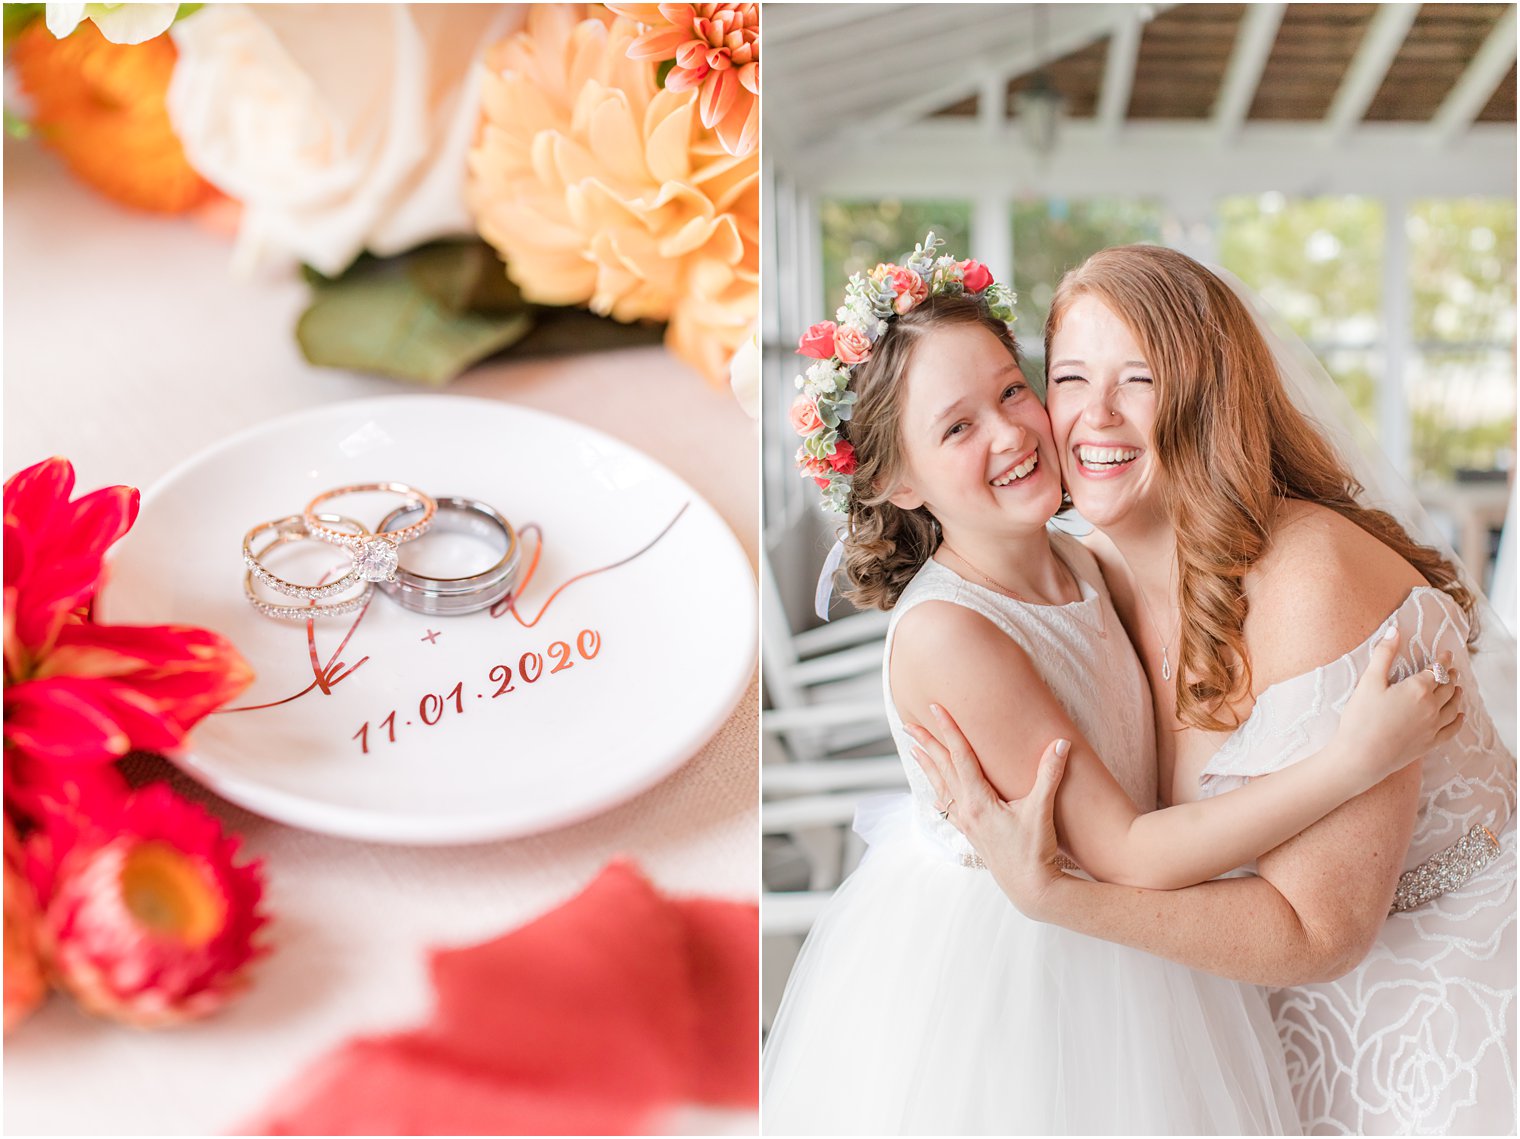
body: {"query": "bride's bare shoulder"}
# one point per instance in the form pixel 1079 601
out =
pixel 1322 587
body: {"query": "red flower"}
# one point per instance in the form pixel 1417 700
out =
pixel 975 276
pixel 53 552
pixel 843 458
pixel 818 341
pixel 80 694
pixel 145 917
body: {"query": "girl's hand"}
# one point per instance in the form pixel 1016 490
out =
pixel 1017 840
pixel 1387 726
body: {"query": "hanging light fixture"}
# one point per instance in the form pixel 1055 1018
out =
pixel 1040 107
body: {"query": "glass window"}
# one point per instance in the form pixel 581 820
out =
pixel 858 235
pixel 1052 235
pixel 1462 379
pixel 1319 262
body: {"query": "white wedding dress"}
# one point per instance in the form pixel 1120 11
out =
pixel 1419 1039
pixel 924 1002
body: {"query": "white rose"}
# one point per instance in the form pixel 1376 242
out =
pixel 744 375
pixel 339 128
pixel 119 23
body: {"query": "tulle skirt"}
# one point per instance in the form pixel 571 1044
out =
pixel 923 1002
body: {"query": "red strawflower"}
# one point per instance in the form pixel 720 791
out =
pixel 145 917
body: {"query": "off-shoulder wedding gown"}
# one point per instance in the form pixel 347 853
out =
pixel 1420 1038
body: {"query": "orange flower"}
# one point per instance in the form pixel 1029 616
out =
pixel 598 187
pixel 716 51
pixel 100 105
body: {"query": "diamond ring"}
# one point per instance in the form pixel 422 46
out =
pixel 1438 670
pixel 374 554
pixel 294 529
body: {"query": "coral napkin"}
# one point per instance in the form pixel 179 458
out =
pixel 599 1017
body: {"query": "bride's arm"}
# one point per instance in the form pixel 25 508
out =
pixel 941 649
pixel 1312 915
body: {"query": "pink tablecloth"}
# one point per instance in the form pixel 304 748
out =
pixel 128 347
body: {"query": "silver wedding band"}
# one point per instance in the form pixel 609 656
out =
pixel 448 596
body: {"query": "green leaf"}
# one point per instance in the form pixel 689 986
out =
pixel 465 276
pixel 663 70
pixel 378 319
pixel 19 17
pixel 568 331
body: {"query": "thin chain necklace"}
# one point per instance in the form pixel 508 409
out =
pixel 1166 664
pixel 1001 588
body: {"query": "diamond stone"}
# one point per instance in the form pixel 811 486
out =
pixel 375 559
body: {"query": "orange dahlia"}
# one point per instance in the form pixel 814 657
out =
pixel 100 105
pixel 715 50
pixel 145 917
pixel 598 187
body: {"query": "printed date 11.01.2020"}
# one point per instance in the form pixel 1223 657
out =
pixel 530 667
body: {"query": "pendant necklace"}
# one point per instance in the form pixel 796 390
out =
pixel 1166 664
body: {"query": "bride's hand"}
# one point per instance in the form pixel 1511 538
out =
pixel 1016 839
pixel 1389 725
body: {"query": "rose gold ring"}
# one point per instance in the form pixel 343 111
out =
pixel 374 554
pixel 317 598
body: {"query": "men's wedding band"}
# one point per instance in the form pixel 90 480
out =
pixel 294 529
pixel 1438 670
pixel 447 596
pixel 374 554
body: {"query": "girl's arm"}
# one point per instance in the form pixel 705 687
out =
pixel 1312 915
pixel 1000 702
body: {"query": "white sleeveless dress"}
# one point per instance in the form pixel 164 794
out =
pixel 1419 1039
pixel 924 1002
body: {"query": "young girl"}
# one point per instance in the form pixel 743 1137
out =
pixel 922 1001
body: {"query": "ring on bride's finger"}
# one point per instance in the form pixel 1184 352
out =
pixel 944 812
pixel 1438 670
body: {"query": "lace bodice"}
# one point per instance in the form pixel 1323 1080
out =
pixel 1083 655
pixel 1469 779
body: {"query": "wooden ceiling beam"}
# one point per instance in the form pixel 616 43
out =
pixel 1476 86
pixel 1248 58
pixel 1119 73
pixel 1072 27
pixel 1374 55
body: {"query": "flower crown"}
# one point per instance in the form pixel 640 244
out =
pixel 871 302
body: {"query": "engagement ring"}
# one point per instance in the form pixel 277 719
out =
pixel 374 554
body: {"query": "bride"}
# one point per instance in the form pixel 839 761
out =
pixel 1253 585
pixel 922 1001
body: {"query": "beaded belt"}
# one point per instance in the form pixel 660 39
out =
pixel 1446 869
